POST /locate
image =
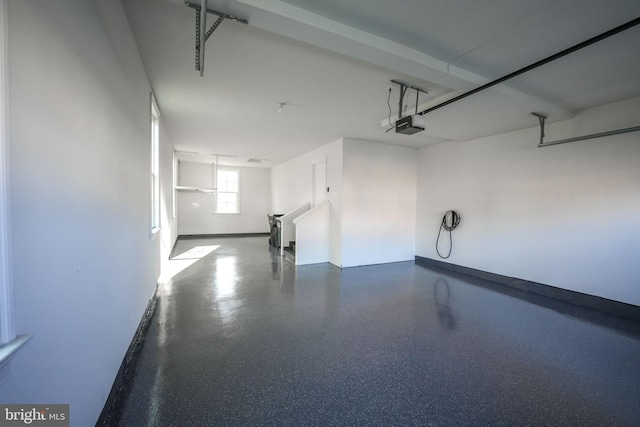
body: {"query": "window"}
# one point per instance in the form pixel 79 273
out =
pixel 7 332
pixel 227 200
pixel 10 343
pixel 155 167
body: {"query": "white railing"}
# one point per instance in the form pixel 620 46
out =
pixel 287 229
pixel 312 235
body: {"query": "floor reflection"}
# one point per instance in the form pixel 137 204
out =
pixel 245 337
pixel 226 277
pixel 442 294
pixel 225 301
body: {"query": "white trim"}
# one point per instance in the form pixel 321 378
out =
pixel 155 193
pixel 310 212
pixel 8 350
pixel 227 169
pixel 174 183
pixel 7 328
pixel 288 218
pixel 322 161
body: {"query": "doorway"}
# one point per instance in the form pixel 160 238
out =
pixel 318 181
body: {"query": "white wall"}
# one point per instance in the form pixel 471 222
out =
pixel 372 195
pixel 335 163
pixel 292 187
pixel 84 266
pixel 378 203
pixel 565 215
pixel 312 231
pixel 195 209
pixel 292 181
pixel 168 222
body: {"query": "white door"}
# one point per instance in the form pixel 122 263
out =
pixel 319 182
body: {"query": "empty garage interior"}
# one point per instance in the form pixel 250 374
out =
pixel 147 149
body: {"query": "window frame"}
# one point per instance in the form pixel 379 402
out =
pixel 7 327
pixel 10 341
pixel 218 191
pixel 174 185
pixel 154 178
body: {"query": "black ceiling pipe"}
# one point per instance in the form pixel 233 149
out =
pixel 546 60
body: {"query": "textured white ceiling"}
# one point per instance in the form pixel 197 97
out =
pixel 331 63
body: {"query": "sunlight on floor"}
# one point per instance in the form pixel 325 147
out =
pixel 179 263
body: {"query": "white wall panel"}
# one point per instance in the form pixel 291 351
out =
pixel 292 180
pixel 292 187
pixel 312 231
pixel 565 215
pixel 379 203
pixel 196 209
pixel 372 190
pixel 84 266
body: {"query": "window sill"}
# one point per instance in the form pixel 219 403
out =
pixel 154 233
pixel 227 214
pixel 8 350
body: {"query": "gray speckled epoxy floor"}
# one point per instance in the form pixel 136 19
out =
pixel 241 337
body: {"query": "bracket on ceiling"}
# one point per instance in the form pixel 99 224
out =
pixel 202 34
pixel 403 90
pixel 412 123
pixel 541 118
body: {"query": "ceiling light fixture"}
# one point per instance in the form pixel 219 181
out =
pixel 280 106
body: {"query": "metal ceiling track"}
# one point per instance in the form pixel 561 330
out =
pixel 202 34
pixel 542 118
pixel 544 61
